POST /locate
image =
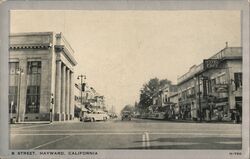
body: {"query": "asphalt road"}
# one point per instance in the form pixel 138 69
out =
pixel 117 134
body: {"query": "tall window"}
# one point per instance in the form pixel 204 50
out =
pixel 33 99
pixel 33 87
pixel 238 80
pixel 166 98
pixel 209 86
pixel 13 86
pixel 205 87
pixel 213 83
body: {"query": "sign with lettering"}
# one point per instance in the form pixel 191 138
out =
pixel 210 63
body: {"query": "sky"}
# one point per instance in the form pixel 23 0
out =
pixel 119 51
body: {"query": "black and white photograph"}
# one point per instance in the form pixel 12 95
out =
pixel 132 80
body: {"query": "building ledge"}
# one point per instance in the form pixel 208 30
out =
pixel 30 46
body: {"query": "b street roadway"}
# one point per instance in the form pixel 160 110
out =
pixel 134 134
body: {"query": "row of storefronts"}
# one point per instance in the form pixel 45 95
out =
pixel 88 100
pixel 213 89
pixel 210 91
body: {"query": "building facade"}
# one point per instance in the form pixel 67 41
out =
pixel 41 77
pixel 173 100
pixel 162 103
pixel 213 89
pixel 91 100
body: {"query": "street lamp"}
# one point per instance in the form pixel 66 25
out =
pixel 51 108
pixel 200 78
pixel 19 72
pixel 199 93
pixel 199 96
pixel 81 77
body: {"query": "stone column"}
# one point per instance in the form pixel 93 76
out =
pixel 58 91
pixel 63 93
pixel 67 95
pixel 72 104
pixel 23 90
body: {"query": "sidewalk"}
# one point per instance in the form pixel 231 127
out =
pixel 75 120
pixel 47 122
pixel 192 121
pixel 203 121
pixel 33 122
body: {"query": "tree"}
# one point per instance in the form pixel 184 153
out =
pixel 150 90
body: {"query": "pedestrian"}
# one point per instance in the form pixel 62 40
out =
pixel 237 116
pixel 233 116
pixel 210 115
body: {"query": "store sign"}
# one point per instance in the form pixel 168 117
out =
pixel 210 63
pixel 221 88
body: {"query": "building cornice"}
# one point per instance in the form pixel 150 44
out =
pixel 222 55
pixel 30 46
pixel 67 54
pixel 31 34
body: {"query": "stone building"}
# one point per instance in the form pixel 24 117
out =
pixel 41 77
pixel 213 89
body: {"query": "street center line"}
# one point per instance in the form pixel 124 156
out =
pixel 53 141
pixel 147 140
pixel 143 141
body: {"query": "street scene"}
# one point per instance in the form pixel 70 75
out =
pixel 130 80
pixel 118 134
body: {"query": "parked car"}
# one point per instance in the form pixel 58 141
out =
pixel 126 115
pixel 96 116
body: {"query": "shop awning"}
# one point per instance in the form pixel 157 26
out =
pixel 82 107
pixel 78 106
pixel 221 104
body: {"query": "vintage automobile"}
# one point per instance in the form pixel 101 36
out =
pixel 96 116
pixel 126 115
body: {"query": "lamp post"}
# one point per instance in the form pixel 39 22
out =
pixel 19 72
pixel 81 77
pixel 199 96
pixel 199 93
pixel 51 108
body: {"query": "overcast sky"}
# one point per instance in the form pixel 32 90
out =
pixel 119 51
